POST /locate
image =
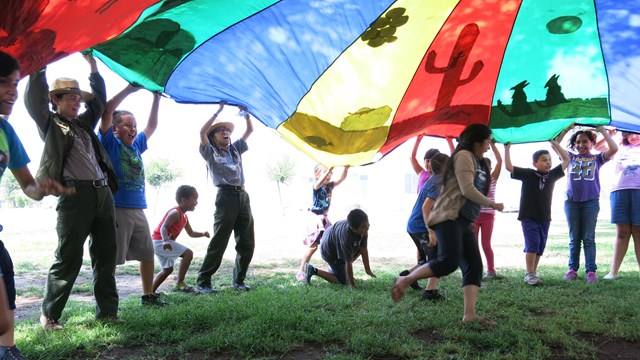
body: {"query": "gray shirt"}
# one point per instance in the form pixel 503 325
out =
pixel 341 244
pixel 225 166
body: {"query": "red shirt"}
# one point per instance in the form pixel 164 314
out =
pixel 175 229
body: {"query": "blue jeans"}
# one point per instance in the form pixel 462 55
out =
pixel 582 218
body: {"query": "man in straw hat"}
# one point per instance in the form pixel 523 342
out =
pixel 73 155
pixel 233 211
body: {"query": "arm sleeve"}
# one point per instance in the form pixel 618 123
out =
pixel 465 170
pixel 96 106
pixel 36 100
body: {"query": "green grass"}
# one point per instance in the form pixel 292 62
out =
pixel 281 318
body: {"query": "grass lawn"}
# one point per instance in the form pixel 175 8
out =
pixel 283 319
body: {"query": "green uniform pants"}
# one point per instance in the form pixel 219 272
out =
pixel 233 213
pixel 89 211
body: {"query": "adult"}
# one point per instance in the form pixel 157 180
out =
pixel 233 209
pixel 625 201
pixel 342 243
pixel 120 138
pixel 73 156
pixel 466 183
pixel 14 157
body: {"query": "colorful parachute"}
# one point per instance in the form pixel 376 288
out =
pixel 347 81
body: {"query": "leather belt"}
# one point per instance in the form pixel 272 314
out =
pixel 86 183
pixel 237 188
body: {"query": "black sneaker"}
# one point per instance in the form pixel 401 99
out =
pixel 432 295
pixel 241 287
pixel 10 353
pixel 205 289
pixel 152 299
pixel 415 285
pixel 310 270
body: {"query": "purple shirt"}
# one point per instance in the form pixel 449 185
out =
pixel 583 181
pixel 422 179
pixel 627 168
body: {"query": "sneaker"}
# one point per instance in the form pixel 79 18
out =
pixel 415 286
pixel 592 277
pixel 490 274
pixel 152 299
pixel 610 276
pixel 206 289
pixel 532 279
pixel 309 271
pixel 50 324
pixel 10 353
pixel 241 287
pixel 182 287
pixel 432 295
pixel 571 275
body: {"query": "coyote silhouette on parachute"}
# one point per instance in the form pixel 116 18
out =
pixel 520 106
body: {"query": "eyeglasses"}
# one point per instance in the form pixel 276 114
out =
pixel 222 129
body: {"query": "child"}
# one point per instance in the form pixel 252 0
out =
pixel 342 243
pixel 484 223
pixel 322 191
pixel 14 157
pixel 583 198
pixel 625 197
pixel 425 172
pixel 166 248
pixel 535 203
pixel 418 230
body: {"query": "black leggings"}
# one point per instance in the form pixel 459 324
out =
pixel 457 247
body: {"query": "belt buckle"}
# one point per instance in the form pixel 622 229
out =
pixel 97 184
pixel 237 188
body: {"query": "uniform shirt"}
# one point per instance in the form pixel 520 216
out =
pixel 225 166
pixel 127 163
pixel 12 153
pixel 340 244
pixel 536 192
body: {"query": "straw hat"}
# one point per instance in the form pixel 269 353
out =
pixel 220 123
pixel 68 86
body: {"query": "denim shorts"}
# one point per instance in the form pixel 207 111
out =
pixel 623 204
pixel 6 267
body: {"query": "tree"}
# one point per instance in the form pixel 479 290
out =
pixel 281 172
pixel 159 172
pixel 13 192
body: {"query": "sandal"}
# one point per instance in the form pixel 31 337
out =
pixel 184 288
pixel 480 320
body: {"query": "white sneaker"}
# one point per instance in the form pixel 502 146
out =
pixel 532 279
pixel 610 276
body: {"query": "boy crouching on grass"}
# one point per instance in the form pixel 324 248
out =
pixel 342 243
pixel 535 203
pixel 166 248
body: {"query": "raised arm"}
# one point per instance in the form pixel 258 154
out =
pixel 562 153
pixel 205 128
pixel 414 162
pixel 36 100
pixel 247 117
pixel 322 178
pixel 562 133
pixel 613 147
pixel 507 157
pixel 96 106
pixel 452 148
pixel 497 169
pixel 343 176
pixel 152 123
pixel 107 117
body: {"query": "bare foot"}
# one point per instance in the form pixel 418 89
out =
pixel 480 320
pixel 397 293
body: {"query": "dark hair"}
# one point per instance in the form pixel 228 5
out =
pixel 8 64
pixel 589 133
pixel 472 134
pixel 118 114
pixel 356 217
pixel 538 154
pixel 625 134
pixel 430 154
pixel 439 163
pixel 184 192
